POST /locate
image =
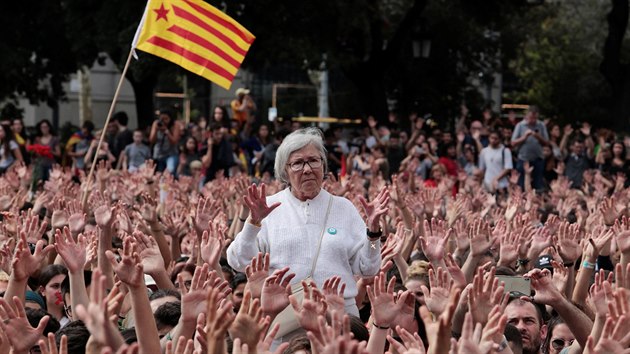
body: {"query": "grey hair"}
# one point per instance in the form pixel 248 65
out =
pixel 294 142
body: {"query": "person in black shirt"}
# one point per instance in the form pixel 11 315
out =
pixel 218 154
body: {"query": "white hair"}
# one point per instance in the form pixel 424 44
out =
pixel 294 142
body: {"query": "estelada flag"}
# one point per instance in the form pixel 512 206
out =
pixel 195 36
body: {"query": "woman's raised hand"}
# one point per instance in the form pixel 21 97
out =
pixel 256 202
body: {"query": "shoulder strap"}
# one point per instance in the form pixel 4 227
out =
pixel 321 237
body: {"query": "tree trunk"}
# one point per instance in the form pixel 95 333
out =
pixel 143 90
pixel 615 72
pixel 369 76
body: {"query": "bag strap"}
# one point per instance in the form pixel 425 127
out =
pixel 321 237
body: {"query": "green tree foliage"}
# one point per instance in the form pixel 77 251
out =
pixel 36 56
pixel 559 59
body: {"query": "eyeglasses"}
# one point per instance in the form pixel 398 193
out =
pixel 559 344
pixel 298 165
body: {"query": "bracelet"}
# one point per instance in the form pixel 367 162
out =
pixel 523 261
pixel 588 265
pixel 380 327
pixel 569 265
pixel 242 219
pixel 376 234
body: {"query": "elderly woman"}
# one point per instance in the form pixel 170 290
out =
pixel 290 224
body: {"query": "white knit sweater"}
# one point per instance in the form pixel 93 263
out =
pixel 291 233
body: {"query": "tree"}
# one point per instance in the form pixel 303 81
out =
pixel 558 61
pixel 616 72
pixel 370 41
pixel 36 54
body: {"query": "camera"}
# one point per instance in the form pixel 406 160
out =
pixel 160 124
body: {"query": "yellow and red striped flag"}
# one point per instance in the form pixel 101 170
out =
pixel 195 36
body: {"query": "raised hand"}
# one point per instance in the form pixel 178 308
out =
pixel 484 295
pixel 405 302
pixel 15 325
pixel 73 253
pixel 264 344
pixel 98 317
pixel 492 334
pixel 479 238
pixel 249 323
pixel 541 240
pixel 508 252
pixel 437 298
pixel 459 279
pixel 327 334
pixel 59 216
pixel 103 213
pixel 333 292
pixel 376 209
pixel 129 269
pixel 30 226
pixel 148 209
pixel 541 282
pixel 608 211
pixel 412 344
pixel 212 243
pixel 257 271
pixel 149 252
pixel 434 242
pixel 26 264
pixel 194 299
pixel 469 342
pixel 256 202
pixel 313 305
pixel 461 236
pixel 560 276
pixel 622 235
pixel 51 347
pixel 569 242
pixel 183 346
pixel 76 218
pixel 275 292
pixel 6 256
pixel 439 330
pixel 599 292
pixel 599 238
pixel 384 308
pixel 219 317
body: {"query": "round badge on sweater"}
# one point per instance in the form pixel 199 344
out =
pixel 332 230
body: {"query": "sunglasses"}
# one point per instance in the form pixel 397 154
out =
pixel 559 344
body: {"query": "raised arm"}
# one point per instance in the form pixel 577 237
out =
pixel 245 245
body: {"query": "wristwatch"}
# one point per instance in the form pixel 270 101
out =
pixel 374 235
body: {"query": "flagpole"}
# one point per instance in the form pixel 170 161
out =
pixel 86 192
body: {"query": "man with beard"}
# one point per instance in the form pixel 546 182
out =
pixel 527 318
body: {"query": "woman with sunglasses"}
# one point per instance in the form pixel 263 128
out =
pixel 558 336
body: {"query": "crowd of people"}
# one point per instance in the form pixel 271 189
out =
pixel 240 236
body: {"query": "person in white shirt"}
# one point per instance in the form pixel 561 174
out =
pixel 289 224
pixel 495 160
